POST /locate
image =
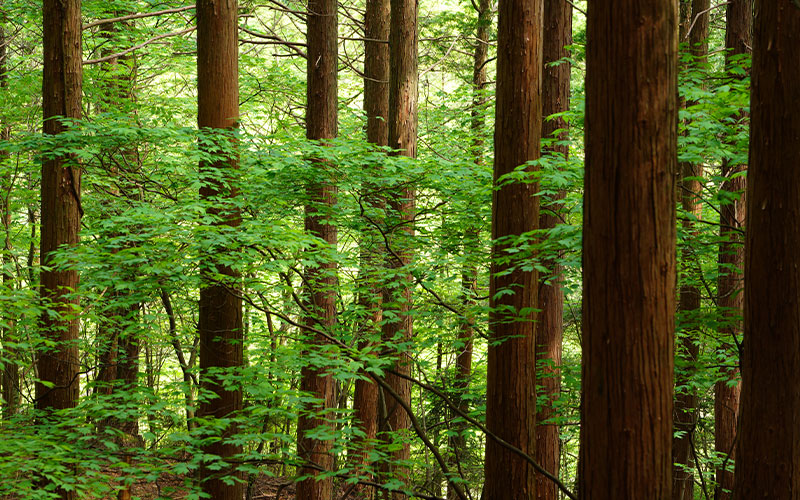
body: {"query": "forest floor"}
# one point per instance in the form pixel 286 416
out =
pixel 263 488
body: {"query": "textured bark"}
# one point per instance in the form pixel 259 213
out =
pixel 220 314
pixel 511 377
pixel 685 411
pixel 738 40
pixel 768 448
pixel 376 106
pixel 58 366
pixel 321 123
pixel 549 328
pixel 402 129
pixel 629 250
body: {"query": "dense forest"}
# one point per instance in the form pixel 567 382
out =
pixel 390 249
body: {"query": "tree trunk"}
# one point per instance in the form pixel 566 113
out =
pixel 738 40
pixel 220 314
pixel 768 448
pixel 402 130
pixel 629 250
pixel 376 106
pixel 685 411
pixel 321 124
pixel 549 329
pixel 511 377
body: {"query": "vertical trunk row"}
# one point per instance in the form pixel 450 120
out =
pixel 403 82
pixel 376 106
pixel 321 124
pixel 220 314
pixel 768 450
pixel 629 250
pixel 511 377
pixel 549 329
pixel 685 411
pixel 738 40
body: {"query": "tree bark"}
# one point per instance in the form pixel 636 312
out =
pixel 768 448
pixel 220 313
pixel 376 106
pixel 511 377
pixel 321 124
pixel 549 328
pixel 402 130
pixel 629 250
pixel 685 411
pixel 738 40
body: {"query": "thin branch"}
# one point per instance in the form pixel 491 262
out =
pixel 136 47
pixel 697 16
pixel 101 22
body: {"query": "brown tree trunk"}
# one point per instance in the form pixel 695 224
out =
pixel 321 124
pixel 376 106
pixel 58 366
pixel 402 129
pixel 768 448
pixel 511 377
pixel 220 314
pixel 549 328
pixel 629 250
pixel 685 411
pixel 738 40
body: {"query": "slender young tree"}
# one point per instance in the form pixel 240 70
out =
pixel 629 250
pixel 220 313
pixel 685 411
pixel 549 327
pixel 376 106
pixel 511 377
pixel 768 448
pixel 402 130
pixel 321 124
pixel 738 40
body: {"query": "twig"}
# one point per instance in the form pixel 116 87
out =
pixel 110 20
pixel 136 47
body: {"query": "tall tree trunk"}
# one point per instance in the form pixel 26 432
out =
pixel 469 272
pixel 629 250
pixel 549 328
pixel 738 40
pixel 58 366
pixel 220 313
pixel 321 124
pixel 685 411
pixel 768 448
pixel 10 375
pixel 403 83
pixel 511 377
pixel 376 106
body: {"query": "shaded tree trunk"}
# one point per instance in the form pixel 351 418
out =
pixel 376 106
pixel 220 313
pixel 629 250
pixel 321 124
pixel 685 411
pixel 738 40
pixel 768 446
pixel 511 377
pixel 402 130
pixel 549 328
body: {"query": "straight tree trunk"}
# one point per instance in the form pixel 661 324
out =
pixel 220 314
pixel 685 411
pixel 376 106
pixel 511 377
pixel 321 124
pixel 738 40
pixel 58 366
pixel 549 328
pixel 768 446
pixel 629 250
pixel 402 130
